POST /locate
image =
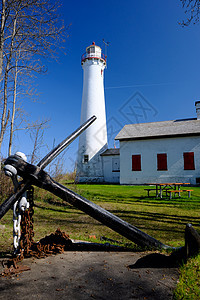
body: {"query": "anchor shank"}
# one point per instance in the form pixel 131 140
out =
pixel 41 179
pixel 105 217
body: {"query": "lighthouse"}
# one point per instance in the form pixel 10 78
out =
pixel 93 141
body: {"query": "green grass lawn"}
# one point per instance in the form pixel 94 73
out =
pixel 163 219
pixel 189 281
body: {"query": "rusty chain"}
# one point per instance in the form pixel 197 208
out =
pixel 53 244
pixel 27 232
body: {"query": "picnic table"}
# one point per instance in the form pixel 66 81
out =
pixel 168 187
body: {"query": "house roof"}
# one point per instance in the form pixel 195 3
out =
pixel 163 129
pixel 108 152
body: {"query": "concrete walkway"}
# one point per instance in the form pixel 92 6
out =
pixel 84 275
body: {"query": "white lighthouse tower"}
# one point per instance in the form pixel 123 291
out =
pixel 93 141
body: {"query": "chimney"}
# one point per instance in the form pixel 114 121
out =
pixel 197 104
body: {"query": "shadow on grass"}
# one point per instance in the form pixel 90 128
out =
pixel 67 222
pixel 107 247
pixel 149 220
pixel 158 217
pixel 182 203
pixel 58 210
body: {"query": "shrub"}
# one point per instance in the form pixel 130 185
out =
pixel 6 186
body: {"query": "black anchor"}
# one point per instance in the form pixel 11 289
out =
pixel 35 175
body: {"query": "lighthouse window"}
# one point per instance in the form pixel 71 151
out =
pixel 91 50
pixel 86 158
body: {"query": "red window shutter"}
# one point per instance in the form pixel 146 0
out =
pixel 189 161
pixel 162 162
pixel 136 162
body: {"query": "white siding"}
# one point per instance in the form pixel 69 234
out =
pixel 174 147
pixel 110 164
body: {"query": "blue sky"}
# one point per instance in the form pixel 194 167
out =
pixel 150 58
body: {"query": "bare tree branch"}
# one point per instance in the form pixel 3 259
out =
pixel 36 134
pixel 192 10
pixel 29 29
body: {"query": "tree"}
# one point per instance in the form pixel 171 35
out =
pixel 36 134
pixel 19 89
pixel 30 30
pixel 192 10
pixel 3 20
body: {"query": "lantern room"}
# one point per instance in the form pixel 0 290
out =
pixel 93 52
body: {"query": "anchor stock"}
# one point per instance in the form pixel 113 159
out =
pixel 8 203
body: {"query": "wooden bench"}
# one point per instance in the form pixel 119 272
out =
pixel 174 192
pixel 148 190
pixel 189 192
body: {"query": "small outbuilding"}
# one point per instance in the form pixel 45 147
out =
pixel 111 165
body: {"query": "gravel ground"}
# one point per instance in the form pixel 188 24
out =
pixel 93 275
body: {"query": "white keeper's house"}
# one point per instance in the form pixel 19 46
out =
pixel 159 152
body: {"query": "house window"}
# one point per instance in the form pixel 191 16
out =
pixel 136 162
pixel 85 158
pixel 189 161
pixel 198 180
pixel 162 162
